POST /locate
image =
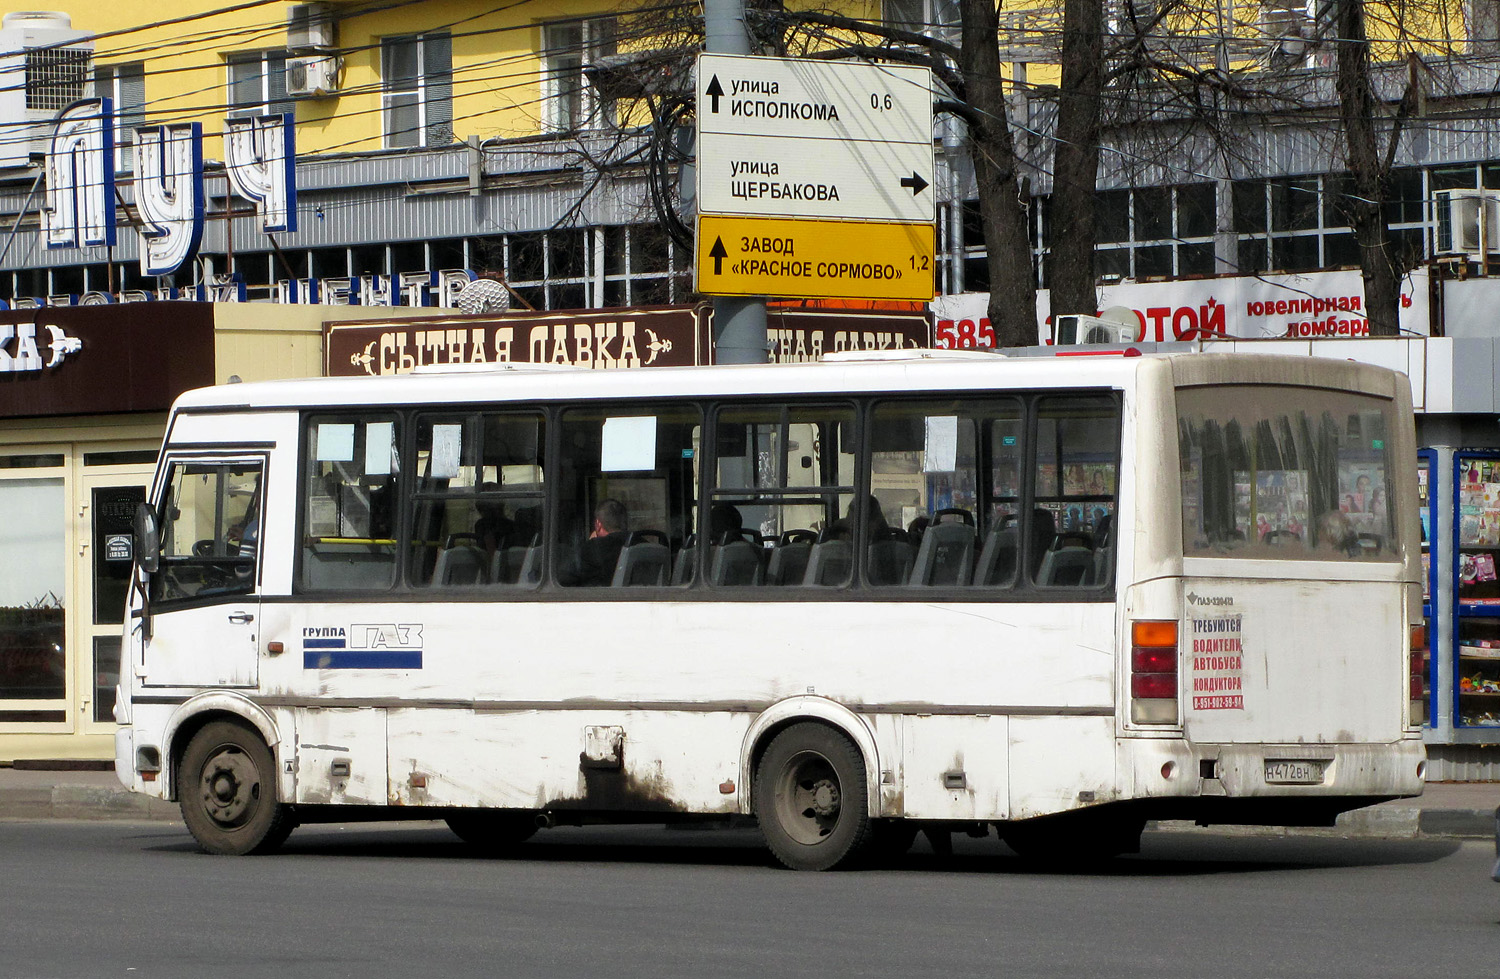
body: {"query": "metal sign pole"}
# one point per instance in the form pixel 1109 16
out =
pixel 740 335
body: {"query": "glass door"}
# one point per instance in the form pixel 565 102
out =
pixel 107 504
pixel 33 594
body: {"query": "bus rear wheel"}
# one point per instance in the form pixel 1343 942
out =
pixel 492 831
pixel 810 799
pixel 227 790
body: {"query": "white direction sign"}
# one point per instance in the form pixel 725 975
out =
pixel 814 139
pixel 835 178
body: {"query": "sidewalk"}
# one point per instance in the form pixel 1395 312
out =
pixel 1446 809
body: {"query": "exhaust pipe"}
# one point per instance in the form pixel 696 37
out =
pixel 544 820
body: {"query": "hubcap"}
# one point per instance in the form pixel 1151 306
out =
pixel 230 787
pixel 808 798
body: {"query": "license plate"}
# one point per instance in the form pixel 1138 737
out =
pixel 1282 772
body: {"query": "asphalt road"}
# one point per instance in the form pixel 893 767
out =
pixel 137 900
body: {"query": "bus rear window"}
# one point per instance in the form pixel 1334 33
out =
pixel 1285 472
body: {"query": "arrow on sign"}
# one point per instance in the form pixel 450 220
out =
pixel 915 182
pixel 714 91
pixel 718 253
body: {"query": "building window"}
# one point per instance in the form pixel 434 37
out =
pixel 932 17
pixel 416 94
pixel 257 84
pixel 569 99
pixel 56 77
pixel 1155 232
pixel 1129 16
pixel 126 86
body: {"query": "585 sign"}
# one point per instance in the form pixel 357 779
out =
pixel 964 334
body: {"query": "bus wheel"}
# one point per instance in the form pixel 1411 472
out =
pixel 810 798
pixel 491 831
pixel 227 787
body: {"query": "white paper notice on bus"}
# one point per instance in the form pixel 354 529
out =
pixel 1217 663
pixel 335 442
pixel 629 444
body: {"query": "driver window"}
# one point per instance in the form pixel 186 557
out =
pixel 210 531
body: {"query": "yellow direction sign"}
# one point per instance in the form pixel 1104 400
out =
pixel 811 259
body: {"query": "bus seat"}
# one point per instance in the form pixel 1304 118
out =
pixel 997 558
pixel 890 557
pixel 946 556
pixel 736 562
pixel 531 566
pixel 461 564
pixel 1043 533
pixel 1069 565
pixel 683 569
pixel 1104 552
pixel 829 562
pixel 788 562
pixel 643 560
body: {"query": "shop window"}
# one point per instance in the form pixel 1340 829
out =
pixel 1197 210
pixel 1294 204
pixel 33 585
pixel 1296 254
pixel 1153 213
pixel 976 275
pixel 1112 215
pixel 1197 259
pixel 1153 260
pixel 1249 207
pixel 1112 263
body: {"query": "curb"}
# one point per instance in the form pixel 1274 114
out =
pixel 83 802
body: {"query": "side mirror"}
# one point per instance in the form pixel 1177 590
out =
pixel 147 538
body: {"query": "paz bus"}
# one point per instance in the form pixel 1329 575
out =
pixel 853 599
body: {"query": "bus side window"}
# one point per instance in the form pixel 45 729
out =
pixel 476 510
pixel 627 494
pixel 1077 464
pixel 945 478
pixel 787 474
pixel 349 503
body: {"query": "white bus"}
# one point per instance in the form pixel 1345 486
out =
pixel 854 599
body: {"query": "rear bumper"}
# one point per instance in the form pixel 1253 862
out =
pixel 1227 783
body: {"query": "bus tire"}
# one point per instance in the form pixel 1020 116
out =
pixel 490 831
pixel 811 798
pixel 227 790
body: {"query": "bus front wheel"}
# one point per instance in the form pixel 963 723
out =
pixel 227 789
pixel 810 798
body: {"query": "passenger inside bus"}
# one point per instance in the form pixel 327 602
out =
pixel 594 562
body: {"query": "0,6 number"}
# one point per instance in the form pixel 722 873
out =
pixel 878 102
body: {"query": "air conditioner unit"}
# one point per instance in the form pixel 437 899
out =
pixel 309 26
pixel 1468 222
pixel 312 77
pixel 1072 329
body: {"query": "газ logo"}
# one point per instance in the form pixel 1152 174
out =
pixel 363 646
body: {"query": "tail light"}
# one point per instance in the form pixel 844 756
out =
pixel 1417 679
pixel 1153 672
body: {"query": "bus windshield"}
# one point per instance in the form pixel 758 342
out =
pixel 1296 473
